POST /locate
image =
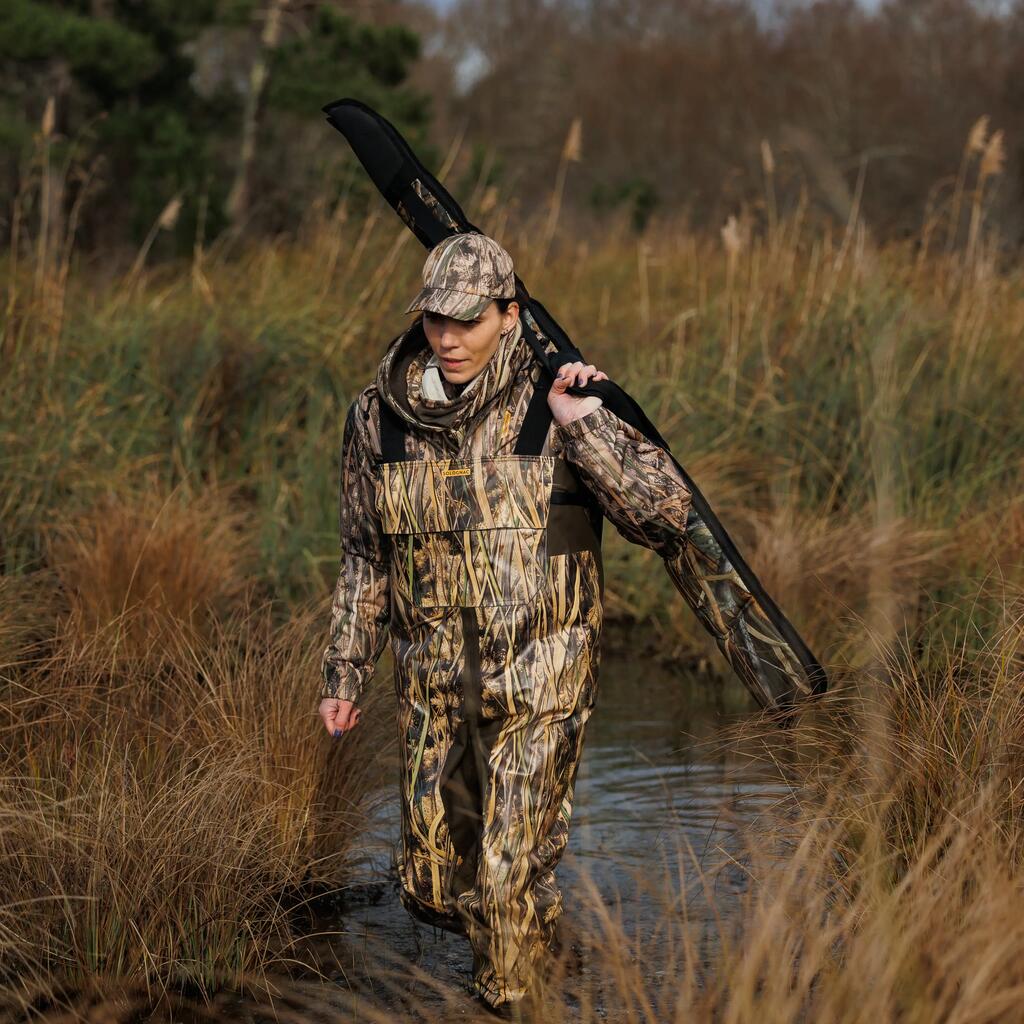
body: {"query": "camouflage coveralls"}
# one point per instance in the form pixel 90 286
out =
pixel 490 588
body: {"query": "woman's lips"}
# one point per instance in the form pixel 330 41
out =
pixel 452 363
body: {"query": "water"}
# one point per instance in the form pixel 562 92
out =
pixel 656 796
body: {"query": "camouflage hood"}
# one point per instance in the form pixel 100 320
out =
pixel 400 380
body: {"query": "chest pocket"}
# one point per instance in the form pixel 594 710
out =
pixel 467 532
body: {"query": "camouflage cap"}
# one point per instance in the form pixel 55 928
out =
pixel 462 274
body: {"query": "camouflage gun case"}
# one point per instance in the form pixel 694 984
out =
pixel 759 642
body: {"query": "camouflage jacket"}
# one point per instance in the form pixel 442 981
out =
pixel 634 482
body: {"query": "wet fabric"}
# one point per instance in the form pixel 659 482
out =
pixel 483 568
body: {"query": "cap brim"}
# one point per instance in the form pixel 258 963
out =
pixel 449 302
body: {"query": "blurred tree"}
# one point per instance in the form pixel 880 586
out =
pixel 681 94
pixel 177 97
pixel 325 55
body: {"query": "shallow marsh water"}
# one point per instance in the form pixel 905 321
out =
pixel 657 794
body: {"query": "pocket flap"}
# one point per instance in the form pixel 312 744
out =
pixel 451 495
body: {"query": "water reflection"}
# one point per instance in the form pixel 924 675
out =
pixel 653 775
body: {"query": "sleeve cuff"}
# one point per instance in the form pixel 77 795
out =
pixel 342 688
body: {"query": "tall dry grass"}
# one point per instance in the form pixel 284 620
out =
pixel 168 505
pixel 794 371
pixel 169 797
pixel 140 571
pixel 867 894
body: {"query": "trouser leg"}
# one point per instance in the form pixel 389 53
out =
pixel 425 855
pixel 464 776
pixel 463 785
pixel 524 798
pixel 445 745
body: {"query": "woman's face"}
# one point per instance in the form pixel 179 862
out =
pixel 465 346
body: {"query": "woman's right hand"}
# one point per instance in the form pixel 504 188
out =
pixel 339 715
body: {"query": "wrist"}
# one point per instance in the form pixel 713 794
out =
pixel 582 408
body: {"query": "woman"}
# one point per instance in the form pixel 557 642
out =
pixel 471 505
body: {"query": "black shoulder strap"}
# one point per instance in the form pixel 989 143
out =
pixel 536 421
pixel 392 434
pixel 531 440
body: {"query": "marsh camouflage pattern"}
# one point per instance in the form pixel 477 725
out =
pixel 491 592
pixel 462 274
pixel 430 199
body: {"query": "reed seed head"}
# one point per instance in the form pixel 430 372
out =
pixel 994 157
pixel 977 135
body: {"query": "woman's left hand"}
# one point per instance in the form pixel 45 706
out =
pixel 566 408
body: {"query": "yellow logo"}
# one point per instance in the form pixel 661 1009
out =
pixel 457 472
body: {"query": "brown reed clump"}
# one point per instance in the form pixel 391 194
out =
pixel 139 568
pixel 29 606
pixel 163 831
